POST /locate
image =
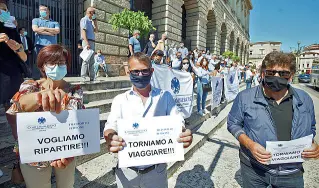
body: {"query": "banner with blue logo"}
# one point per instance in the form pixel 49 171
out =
pixel 231 85
pixel 217 91
pixel 178 83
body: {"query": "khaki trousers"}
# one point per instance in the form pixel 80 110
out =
pixel 36 177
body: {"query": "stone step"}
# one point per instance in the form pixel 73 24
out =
pixel 90 96
pixel 105 105
pixel 103 85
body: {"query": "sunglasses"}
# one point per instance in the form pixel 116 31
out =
pixel 144 72
pixel 281 73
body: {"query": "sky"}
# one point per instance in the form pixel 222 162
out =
pixel 287 21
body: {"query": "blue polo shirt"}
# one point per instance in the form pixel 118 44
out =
pixel 45 40
pixel 87 25
pixel 135 44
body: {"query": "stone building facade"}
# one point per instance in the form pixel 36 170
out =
pixel 307 57
pixel 217 25
pixel 258 50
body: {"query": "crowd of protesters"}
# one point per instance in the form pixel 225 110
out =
pixel 52 93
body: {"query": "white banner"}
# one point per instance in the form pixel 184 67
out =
pixel 148 145
pixel 288 151
pixel 217 91
pixel 231 85
pixel 45 136
pixel 178 83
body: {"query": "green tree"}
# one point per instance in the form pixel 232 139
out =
pixel 229 54
pixel 131 20
pixel 235 58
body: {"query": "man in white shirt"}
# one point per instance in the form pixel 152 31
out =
pixel 249 78
pixel 183 50
pixel 143 101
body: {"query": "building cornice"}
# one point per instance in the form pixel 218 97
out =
pixel 266 42
pixel 249 4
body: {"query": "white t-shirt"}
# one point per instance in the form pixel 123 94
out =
pixel 248 74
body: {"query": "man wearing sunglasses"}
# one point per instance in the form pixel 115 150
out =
pixel 142 100
pixel 272 111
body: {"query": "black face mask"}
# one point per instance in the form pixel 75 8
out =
pixel 275 83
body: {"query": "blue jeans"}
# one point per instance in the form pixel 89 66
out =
pixel 96 68
pixel 253 177
pixel 248 85
pixel 201 96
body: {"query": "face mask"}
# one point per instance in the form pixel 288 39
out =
pixel 275 83
pixel 140 82
pixel 43 14
pixel 155 61
pixel 94 17
pixel 56 72
pixel 186 66
pixel 204 55
pixel 182 46
pixel 99 54
pixel 138 37
pixel 4 16
pixel 25 33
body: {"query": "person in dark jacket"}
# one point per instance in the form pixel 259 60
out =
pixel 149 48
pixel 272 111
pixel 27 45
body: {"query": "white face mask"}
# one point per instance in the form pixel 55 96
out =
pixel 186 66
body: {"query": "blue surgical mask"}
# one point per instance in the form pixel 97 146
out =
pixel 94 17
pixel 137 36
pixel 4 16
pixel 56 72
pixel 140 82
pixel 25 33
pixel 43 14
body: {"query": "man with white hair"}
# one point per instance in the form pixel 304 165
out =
pixel 88 27
pixel 134 43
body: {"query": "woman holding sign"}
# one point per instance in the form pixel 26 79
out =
pixel 53 94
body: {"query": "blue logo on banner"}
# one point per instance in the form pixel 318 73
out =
pixel 175 86
pixel 217 83
pixel 41 120
pixel 135 125
pixel 231 79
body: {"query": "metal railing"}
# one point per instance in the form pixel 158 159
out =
pixel 67 12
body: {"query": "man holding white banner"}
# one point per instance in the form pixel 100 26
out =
pixel 137 129
pixel 275 125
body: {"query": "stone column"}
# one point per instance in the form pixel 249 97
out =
pixel 196 23
pixel 167 18
pixel 113 43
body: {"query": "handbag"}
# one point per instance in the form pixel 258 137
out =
pixel 207 87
